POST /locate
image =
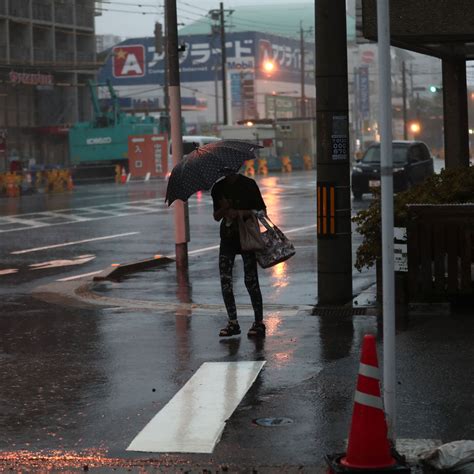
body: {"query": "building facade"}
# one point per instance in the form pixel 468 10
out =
pixel 136 71
pixel 47 55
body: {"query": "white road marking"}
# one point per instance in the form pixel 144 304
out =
pixel 8 271
pixel 121 211
pixel 106 237
pixel 77 277
pixel 297 229
pixel 62 263
pixel 194 419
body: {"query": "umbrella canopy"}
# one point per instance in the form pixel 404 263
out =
pixel 201 168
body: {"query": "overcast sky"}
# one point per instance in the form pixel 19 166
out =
pixel 138 17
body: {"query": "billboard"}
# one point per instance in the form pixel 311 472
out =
pixel 135 62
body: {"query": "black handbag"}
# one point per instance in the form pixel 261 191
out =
pixel 278 247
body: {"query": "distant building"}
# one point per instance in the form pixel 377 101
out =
pixel 104 42
pixel 47 54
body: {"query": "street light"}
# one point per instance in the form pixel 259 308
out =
pixel 415 127
pixel 269 67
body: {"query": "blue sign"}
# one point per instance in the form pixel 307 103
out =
pixel 135 61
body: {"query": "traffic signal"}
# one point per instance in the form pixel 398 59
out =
pixel 158 38
pixel 433 89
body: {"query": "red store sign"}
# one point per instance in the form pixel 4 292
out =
pixel 31 79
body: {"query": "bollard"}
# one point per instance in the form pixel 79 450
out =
pixel 262 166
pixel 249 168
pixel 118 173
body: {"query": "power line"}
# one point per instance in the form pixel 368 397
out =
pixel 125 11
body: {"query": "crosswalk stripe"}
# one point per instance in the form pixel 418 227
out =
pixel 66 244
pixel 194 419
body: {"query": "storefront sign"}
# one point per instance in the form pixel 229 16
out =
pixel 31 79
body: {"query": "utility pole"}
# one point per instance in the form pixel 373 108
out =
pixel 333 156
pixel 303 97
pixel 161 47
pixel 219 15
pixel 223 66
pixel 404 93
pixel 181 219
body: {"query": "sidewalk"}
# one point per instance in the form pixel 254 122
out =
pixel 311 363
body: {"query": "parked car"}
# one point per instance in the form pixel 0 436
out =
pixel 412 163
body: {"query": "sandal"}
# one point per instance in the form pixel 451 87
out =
pixel 257 330
pixel 232 329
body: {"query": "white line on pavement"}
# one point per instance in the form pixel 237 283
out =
pixel 194 419
pixel 8 271
pixel 297 229
pixel 76 277
pixel 106 237
pixel 204 249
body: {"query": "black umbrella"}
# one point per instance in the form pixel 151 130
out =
pixel 201 168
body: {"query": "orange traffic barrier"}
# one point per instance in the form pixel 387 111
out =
pixel 262 166
pixel 286 164
pixel 70 183
pixel 12 189
pixel 249 168
pixel 368 449
pixel 307 162
pixel 118 173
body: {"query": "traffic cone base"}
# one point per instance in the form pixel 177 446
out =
pixel 337 467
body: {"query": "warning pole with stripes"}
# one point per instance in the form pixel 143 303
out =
pixel 333 155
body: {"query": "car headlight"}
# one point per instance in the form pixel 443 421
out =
pixel 357 169
pixel 398 170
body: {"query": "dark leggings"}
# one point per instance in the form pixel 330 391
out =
pixel 226 265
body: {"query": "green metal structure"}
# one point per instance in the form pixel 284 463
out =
pixel 104 140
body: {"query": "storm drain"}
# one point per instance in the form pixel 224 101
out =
pixel 343 311
pixel 273 421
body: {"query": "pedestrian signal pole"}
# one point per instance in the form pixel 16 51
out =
pixel 181 220
pixel 333 156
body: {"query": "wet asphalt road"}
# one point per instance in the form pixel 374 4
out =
pixel 88 379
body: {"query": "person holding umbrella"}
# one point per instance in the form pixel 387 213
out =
pixel 233 196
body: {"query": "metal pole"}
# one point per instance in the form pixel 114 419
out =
pixel 180 214
pixel 386 172
pixel 224 69
pixel 166 94
pixel 333 155
pixel 303 97
pixel 404 92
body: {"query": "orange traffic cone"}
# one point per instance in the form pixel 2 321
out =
pixel 123 177
pixel 368 448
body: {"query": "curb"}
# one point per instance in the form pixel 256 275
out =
pixel 118 270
